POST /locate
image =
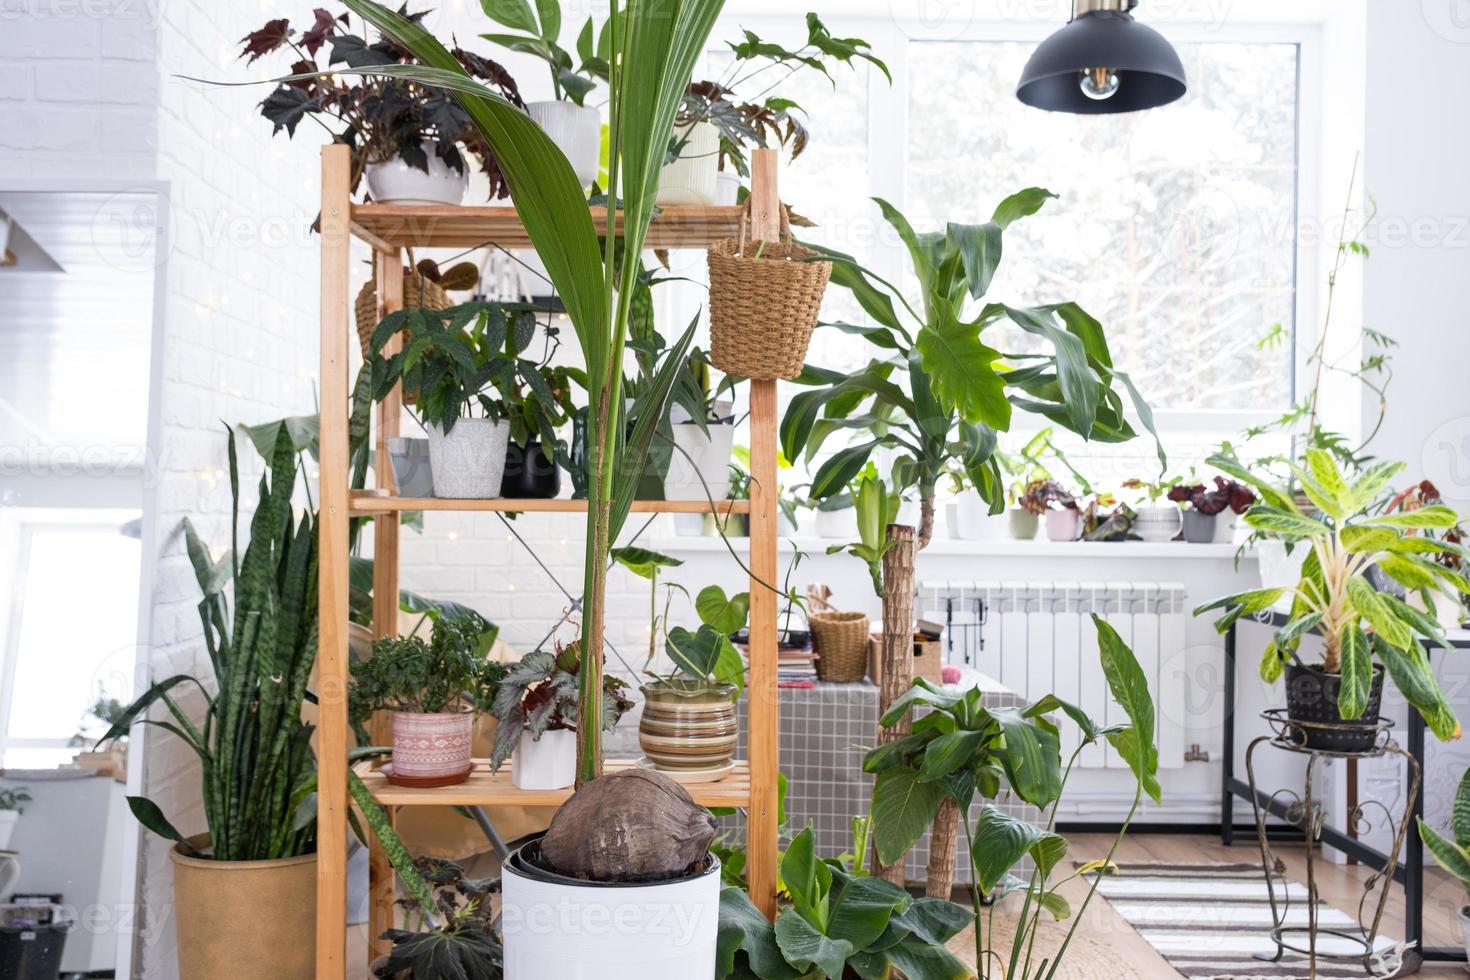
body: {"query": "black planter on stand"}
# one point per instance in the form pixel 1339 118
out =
pixel 1311 700
pixel 529 474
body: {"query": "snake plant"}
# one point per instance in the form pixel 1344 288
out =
pixel 1453 853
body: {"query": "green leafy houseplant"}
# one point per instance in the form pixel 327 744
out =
pixel 538 35
pixel 1347 537
pixel 463 943
pixel 653 46
pixel 960 748
pixel 839 924
pixel 447 674
pixel 540 694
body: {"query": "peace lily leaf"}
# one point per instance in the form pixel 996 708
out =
pixel 1130 689
pixel 1000 842
pixel 725 613
pixel 903 808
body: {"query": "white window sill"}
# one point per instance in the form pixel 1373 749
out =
pixel 1000 548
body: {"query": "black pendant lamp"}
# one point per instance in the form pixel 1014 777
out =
pixel 1104 61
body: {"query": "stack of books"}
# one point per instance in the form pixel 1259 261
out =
pixel 796 667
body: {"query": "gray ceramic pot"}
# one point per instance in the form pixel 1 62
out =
pixel 1199 528
pixel 411 470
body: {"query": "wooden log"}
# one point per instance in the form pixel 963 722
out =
pixel 943 843
pixel 898 650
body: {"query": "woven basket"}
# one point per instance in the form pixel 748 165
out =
pixel 417 291
pixel 841 639
pixel 762 309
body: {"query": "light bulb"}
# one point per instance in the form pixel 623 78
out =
pixel 1099 83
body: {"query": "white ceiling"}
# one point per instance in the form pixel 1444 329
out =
pixel 74 345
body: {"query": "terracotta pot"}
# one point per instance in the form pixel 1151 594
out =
pixel 687 725
pixel 431 749
pixel 244 918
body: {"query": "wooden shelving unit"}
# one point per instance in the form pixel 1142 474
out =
pixel 389 230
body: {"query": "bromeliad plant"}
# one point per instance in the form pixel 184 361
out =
pixel 960 748
pixel 1347 536
pixel 840 924
pixel 653 46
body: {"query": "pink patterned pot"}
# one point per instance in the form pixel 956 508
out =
pixel 431 748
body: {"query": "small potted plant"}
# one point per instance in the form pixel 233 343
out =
pixel 433 690
pixel 1158 520
pixel 406 138
pixel 464 943
pixel 462 380
pixel 1335 703
pixel 12 805
pixel 1452 853
pixel 574 126
pixel 1206 504
pixel 540 402
pixel 536 707
pixel 1057 504
pixel 1106 518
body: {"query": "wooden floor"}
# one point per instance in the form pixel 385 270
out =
pixel 1108 940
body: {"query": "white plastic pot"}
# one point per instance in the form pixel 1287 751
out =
pixel 785 526
pixel 470 460
pixel 1157 524
pixel 837 525
pixel 727 188
pixel 700 459
pixel 692 178
pixel 395 182
pixel 548 762
pixel 592 931
pixel 971 520
pixel 1278 569
pixel 8 820
pixel 576 130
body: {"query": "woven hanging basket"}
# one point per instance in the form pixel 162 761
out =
pixel 418 291
pixel 763 303
pixel 841 641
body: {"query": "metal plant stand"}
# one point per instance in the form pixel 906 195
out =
pixel 1307 814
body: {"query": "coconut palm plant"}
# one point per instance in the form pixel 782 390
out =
pixel 653 46
pixel 1349 535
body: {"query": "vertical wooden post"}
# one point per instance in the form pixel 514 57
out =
pixel 331 895
pixel 898 651
pixel 761 828
pixel 382 888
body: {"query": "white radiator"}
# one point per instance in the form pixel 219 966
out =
pixel 1037 638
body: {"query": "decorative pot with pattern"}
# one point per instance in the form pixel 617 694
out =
pixel 468 460
pixel 687 726
pixel 431 749
pixel 1157 524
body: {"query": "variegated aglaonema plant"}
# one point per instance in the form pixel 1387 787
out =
pixel 1348 534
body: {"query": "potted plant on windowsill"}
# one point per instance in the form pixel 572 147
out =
pixel 536 707
pixel 1157 520
pixel 406 139
pixel 1105 518
pixel 1056 503
pixel 1204 506
pixel 1335 599
pixel 433 690
pixel 454 363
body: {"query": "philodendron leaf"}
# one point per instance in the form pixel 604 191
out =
pixel 696 654
pixel 725 613
pixel 903 808
pixel 961 370
pixel 1130 689
pixel 643 562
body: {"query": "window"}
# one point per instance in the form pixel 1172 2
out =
pixel 70 629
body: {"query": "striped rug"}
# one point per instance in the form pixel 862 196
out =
pixel 1210 920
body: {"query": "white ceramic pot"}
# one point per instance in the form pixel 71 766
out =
pixel 592 931
pixel 1063 525
pixel 1157 524
pixel 727 188
pixel 691 179
pixel 1225 527
pixel 548 762
pixel 785 526
pixel 971 520
pixel 837 525
pixel 689 525
pixel 395 182
pixel 8 820
pixel 576 130
pixel 701 459
pixel 1278 569
pixel 470 460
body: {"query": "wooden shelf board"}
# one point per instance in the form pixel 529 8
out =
pixel 368 502
pixel 486 788
pixel 393 226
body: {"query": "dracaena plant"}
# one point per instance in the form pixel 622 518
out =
pixel 839 924
pixel 653 46
pixel 936 394
pixel 959 749
pixel 1346 536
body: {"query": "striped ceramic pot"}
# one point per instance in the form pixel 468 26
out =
pixel 432 747
pixel 687 726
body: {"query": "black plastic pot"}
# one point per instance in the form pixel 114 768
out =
pixel 527 862
pixel 1311 701
pixel 32 940
pixel 529 474
pixel 1199 528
